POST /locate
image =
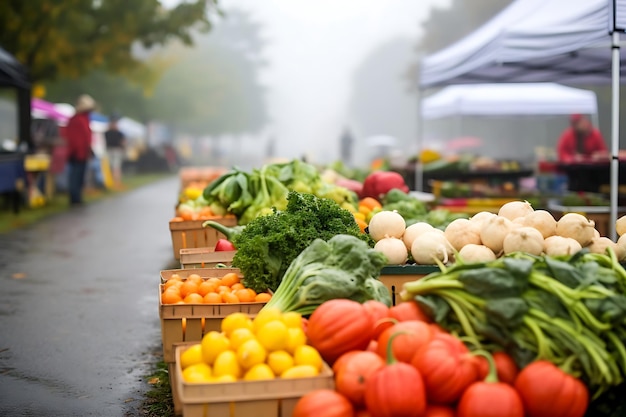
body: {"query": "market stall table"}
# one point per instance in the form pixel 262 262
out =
pixel 590 176
pixel 12 177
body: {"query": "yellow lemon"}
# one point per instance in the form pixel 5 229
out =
pixel 213 343
pixel 300 371
pixel 292 320
pixel 251 353
pixel 197 373
pixel 295 338
pixel 226 364
pixel 259 371
pixel 279 361
pixel 308 355
pixel 273 335
pixel 236 321
pixel 223 378
pixel 238 336
pixel 264 316
pixel 191 356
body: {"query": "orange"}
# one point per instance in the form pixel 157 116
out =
pixel 193 298
pixel 187 288
pixel 172 283
pixel 222 289
pixel 177 219
pixel 195 278
pixel 230 298
pixel 361 223
pixel 370 202
pixel 212 298
pixel 237 286
pixel 245 295
pixel 206 287
pixel 171 297
pixel 215 281
pixel 230 279
pixel 262 297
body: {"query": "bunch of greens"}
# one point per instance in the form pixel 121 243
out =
pixel 343 267
pixel 268 244
pixel 568 310
pixel 414 210
pixel 248 195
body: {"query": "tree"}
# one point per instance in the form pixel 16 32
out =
pixel 70 38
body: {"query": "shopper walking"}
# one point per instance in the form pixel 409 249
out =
pixel 79 137
pixel 115 142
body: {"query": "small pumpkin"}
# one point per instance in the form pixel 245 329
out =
pixel 396 389
pixel 435 410
pixel 323 402
pixel 408 310
pixel 354 373
pixel 505 365
pixel 413 335
pixel 339 326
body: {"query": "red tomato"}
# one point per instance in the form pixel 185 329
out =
pixel 404 345
pixel 505 365
pixel 394 390
pixel 224 245
pixel 433 410
pixel 323 402
pixel 490 399
pixel 447 368
pixel 353 375
pixel 408 310
pixel 376 309
pixel 547 391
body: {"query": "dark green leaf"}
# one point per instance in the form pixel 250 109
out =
pixel 520 268
pixel 506 312
pixel 546 302
pixel 435 307
pixel 493 283
pixel 565 272
pixel 609 310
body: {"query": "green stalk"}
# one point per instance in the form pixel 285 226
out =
pixel 542 347
pixel 422 286
pixel 619 348
pixel 492 375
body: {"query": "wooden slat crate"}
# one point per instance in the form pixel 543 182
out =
pixel 191 234
pixel 394 277
pixel 204 257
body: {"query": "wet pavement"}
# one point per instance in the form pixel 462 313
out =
pixel 79 322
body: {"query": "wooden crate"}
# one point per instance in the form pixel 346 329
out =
pixel 269 398
pixel 394 277
pixel 190 322
pixel 191 234
pixel 204 257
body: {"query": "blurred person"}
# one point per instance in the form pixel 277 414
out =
pixel 115 144
pixel 581 141
pixel 79 137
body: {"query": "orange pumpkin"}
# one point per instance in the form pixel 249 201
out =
pixel 353 375
pixel 323 402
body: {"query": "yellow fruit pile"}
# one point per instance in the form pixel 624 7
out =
pixel 271 345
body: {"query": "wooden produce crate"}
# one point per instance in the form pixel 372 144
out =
pixel 191 234
pixel 204 257
pixel 190 322
pixel 268 398
pixel 394 277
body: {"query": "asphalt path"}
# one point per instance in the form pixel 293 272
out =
pixel 79 322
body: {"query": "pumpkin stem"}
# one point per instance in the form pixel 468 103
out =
pixel 390 358
pixel 567 365
pixel 492 375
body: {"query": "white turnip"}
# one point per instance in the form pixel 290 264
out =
pixel 428 247
pixel 541 220
pixel 620 225
pixel 600 244
pixel 461 232
pixel 414 231
pixel 514 209
pixel 482 217
pixel 559 245
pixel 494 231
pixel 621 242
pixel 576 226
pixel 523 239
pixel 394 249
pixel 386 223
pixel 472 253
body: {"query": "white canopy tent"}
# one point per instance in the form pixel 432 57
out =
pixel 509 99
pixel 569 41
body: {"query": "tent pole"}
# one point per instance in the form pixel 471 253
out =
pixel 615 79
pixel 419 177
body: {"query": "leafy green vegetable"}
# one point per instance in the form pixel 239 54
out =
pixel 343 267
pixel 268 244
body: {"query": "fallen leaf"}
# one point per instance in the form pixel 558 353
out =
pixel 154 380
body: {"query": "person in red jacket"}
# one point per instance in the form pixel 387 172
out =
pixel 78 134
pixel 581 141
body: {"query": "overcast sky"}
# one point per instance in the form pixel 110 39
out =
pixel 313 49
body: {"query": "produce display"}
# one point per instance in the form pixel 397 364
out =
pixel 270 345
pixel 197 290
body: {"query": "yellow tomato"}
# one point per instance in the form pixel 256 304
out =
pixel 295 338
pixel 300 371
pixel 191 356
pixel 213 343
pixel 226 364
pixel 239 336
pixel 251 353
pixel 308 355
pixel 197 373
pixel 273 335
pixel 258 372
pixel 235 321
pixel 265 316
pixel 292 319
pixel 279 361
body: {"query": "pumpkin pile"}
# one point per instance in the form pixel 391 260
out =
pixel 394 362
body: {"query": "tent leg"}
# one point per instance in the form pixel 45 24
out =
pixel 615 79
pixel 419 176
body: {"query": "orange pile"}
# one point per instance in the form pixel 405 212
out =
pixel 198 290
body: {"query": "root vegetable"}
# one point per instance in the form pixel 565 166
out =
pixel 414 231
pixel 621 242
pixel 386 224
pixel 514 209
pixel 576 226
pixel 559 245
pixel 482 217
pixel 524 239
pixel 541 220
pixel 620 226
pixel 430 246
pixel 472 253
pixel 599 245
pixel 494 231
pixel 394 249
pixel 461 232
